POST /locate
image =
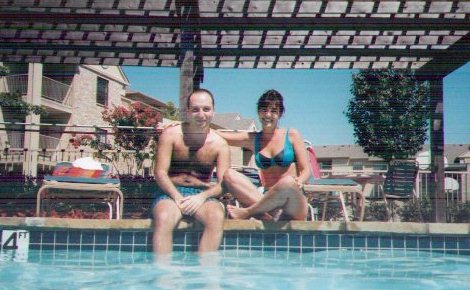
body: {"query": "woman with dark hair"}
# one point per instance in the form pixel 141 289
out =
pixel 283 161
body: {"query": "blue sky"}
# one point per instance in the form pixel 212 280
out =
pixel 315 99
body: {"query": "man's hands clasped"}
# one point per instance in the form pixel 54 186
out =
pixel 190 205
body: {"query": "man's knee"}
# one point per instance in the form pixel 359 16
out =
pixel 163 216
pixel 214 216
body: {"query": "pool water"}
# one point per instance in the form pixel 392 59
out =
pixel 234 269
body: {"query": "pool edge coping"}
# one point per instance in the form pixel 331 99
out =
pixel 40 223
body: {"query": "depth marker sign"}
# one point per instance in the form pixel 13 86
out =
pixel 15 242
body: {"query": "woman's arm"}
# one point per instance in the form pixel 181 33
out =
pixel 237 138
pixel 302 161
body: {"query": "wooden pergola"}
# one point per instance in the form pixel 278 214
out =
pixel 430 37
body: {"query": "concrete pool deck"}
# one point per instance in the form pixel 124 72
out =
pixel 145 225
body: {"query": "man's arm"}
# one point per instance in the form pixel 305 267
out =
pixel 223 163
pixel 162 165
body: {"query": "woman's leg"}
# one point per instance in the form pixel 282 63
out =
pixel 285 194
pixel 241 188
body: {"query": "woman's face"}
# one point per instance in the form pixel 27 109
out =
pixel 269 115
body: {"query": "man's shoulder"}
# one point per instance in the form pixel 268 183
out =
pixel 216 138
pixel 171 132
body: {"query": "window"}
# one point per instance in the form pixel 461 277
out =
pixel 326 164
pixel 357 165
pixel 100 135
pixel 379 166
pixel 102 91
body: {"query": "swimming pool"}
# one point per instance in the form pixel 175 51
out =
pixel 235 269
pixel 105 254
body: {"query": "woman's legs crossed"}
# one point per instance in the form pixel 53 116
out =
pixel 241 188
pixel 285 194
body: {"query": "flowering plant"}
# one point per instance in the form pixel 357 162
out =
pixel 136 115
pixel 89 140
pixel 130 137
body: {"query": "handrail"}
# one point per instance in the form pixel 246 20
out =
pixel 51 89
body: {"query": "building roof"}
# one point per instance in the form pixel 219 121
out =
pixel 111 72
pixel 430 36
pixel 465 154
pixel 451 151
pixel 233 121
pixel 143 98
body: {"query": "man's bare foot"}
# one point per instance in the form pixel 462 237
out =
pixel 238 213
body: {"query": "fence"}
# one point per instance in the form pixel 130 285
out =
pixel 123 162
pixel 457 183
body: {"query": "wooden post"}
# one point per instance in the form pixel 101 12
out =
pixel 191 71
pixel 438 198
pixel 31 138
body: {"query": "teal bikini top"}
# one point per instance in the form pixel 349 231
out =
pixel 284 158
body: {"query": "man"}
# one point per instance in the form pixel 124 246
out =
pixel 186 157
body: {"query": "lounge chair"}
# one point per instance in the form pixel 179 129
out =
pixel 339 190
pixel 399 183
pixel 70 184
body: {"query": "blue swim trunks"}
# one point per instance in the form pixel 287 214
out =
pixel 184 190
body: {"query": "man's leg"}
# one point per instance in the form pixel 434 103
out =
pixel 284 194
pixel 211 215
pixel 166 216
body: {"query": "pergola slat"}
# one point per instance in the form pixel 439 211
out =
pixel 243 23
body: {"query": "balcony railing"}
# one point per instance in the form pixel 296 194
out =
pixel 51 89
pixel 14 84
pixel 16 141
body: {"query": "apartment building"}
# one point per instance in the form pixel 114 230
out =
pixel 71 95
pixel 349 158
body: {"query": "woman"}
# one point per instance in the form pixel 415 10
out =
pixel 281 156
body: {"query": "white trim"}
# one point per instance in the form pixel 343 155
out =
pixel 106 75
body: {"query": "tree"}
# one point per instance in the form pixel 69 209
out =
pixel 171 112
pixel 389 112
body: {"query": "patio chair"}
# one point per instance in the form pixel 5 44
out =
pixel 399 183
pixel 328 190
pixel 71 184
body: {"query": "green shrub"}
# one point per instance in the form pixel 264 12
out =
pixel 459 213
pixel 416 210
pixel 375 211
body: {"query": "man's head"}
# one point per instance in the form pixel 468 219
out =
pixel 200 108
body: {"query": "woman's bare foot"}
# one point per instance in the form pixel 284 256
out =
pixel 238 213
pixel 276 214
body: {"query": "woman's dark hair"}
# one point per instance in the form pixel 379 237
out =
pixel 271 96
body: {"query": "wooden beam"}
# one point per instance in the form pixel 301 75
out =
pixel 442 65
pixel 445 55
pixel 438 197
pixel 243 23
pixel 190 73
